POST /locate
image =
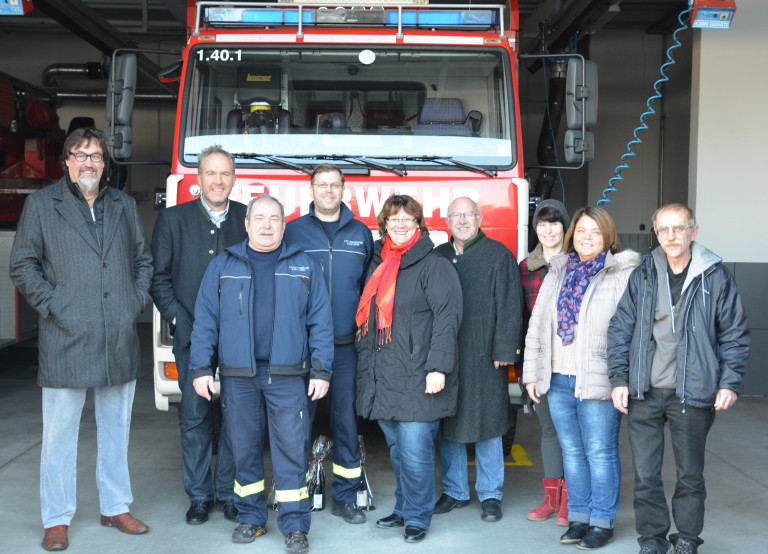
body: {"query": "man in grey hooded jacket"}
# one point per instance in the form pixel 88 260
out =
pixel 678 348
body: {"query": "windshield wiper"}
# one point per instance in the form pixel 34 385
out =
pixel 274 160
pixel 457 163
pixel 365 161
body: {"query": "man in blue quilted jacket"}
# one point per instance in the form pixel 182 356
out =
pixel 343 247
pixel 266 306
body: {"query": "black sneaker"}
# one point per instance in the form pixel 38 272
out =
pixel 228 507
pixel 596 537
pixel 390 522
pixel 491 510
pixel 686 546
pixel 414 534
pixel 575 532
pixel 247 532
pixel 198 511
pixel 446 503
pixel 350 512
pixel 297 542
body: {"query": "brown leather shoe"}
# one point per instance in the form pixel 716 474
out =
pixel 56 538
pixel 125 523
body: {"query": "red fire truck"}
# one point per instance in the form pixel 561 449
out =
pixel 405 97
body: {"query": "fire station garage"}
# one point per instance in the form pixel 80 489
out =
pixel 624 104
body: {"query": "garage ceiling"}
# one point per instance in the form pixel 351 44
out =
pixel 166 19
pixel 111 24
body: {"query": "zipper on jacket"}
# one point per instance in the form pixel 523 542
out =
pixel 247 262
pixel 330 256
pixel 240 298
pixel 586 299
pixel 671 305
pixel 330 271
pixel 688 317
pixel 639 350
pixel 272 342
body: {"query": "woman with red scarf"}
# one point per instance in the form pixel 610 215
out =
pixel 408 319
pixel 566 358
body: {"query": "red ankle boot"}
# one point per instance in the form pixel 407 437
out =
pixel 551 502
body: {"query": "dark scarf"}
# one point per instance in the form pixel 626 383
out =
pixel 470 244
pixel 578 276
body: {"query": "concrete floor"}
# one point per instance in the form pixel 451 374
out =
pixel 736 472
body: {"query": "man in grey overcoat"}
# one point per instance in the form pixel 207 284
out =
pixel 489 341
pixel 81 259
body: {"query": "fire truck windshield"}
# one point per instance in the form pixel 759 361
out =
pixel 414 104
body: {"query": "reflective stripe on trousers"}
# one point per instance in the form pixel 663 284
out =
pixel 347 472
pixel 291 495
pixel 247 490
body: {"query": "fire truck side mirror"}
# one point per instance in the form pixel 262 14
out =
pixel 122 87
pixel 120 142
pixel 574 146
pixel 581 90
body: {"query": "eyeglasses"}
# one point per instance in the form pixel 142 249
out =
pixel 463 215
pixel 401 220
pixel 96 157
pixel 676 230
pixel 260 219
pixel 333 186
pixel 594 233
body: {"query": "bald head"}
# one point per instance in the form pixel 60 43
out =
pixel 463 220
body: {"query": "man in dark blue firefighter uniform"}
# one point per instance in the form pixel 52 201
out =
pixel 342 246
pixel 266 306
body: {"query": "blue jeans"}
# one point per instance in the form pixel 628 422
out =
pixel 62 409
pixel 589 436
pixel 688 429
pixel 412 451
pixel 489 465
pixel 196 441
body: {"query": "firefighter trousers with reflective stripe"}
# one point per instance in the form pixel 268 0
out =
pixel 250 404
pixel 343 419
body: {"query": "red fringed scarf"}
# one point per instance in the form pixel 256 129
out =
pixel 382 286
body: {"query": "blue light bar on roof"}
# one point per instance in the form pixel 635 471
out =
pixel 410 18
pixel 257 16
pixel 445 18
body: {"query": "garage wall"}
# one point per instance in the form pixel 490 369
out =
pixel 628 67
pixel 152 123
pixel 728 124
pixel 702 146
pixel 727 132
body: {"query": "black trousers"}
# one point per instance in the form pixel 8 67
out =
pixel 688 428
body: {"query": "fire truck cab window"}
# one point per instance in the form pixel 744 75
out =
pixel 438 101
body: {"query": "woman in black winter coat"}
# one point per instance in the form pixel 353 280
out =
pixel 408 319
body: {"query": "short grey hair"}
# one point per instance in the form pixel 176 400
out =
pixel 264 198
pixel 675 207
pixel 213 149
pixel 475 204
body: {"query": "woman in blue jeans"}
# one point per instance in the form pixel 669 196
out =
pixel 408 319
pixel 566 358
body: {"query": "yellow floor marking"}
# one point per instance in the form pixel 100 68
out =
pixel 518 455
